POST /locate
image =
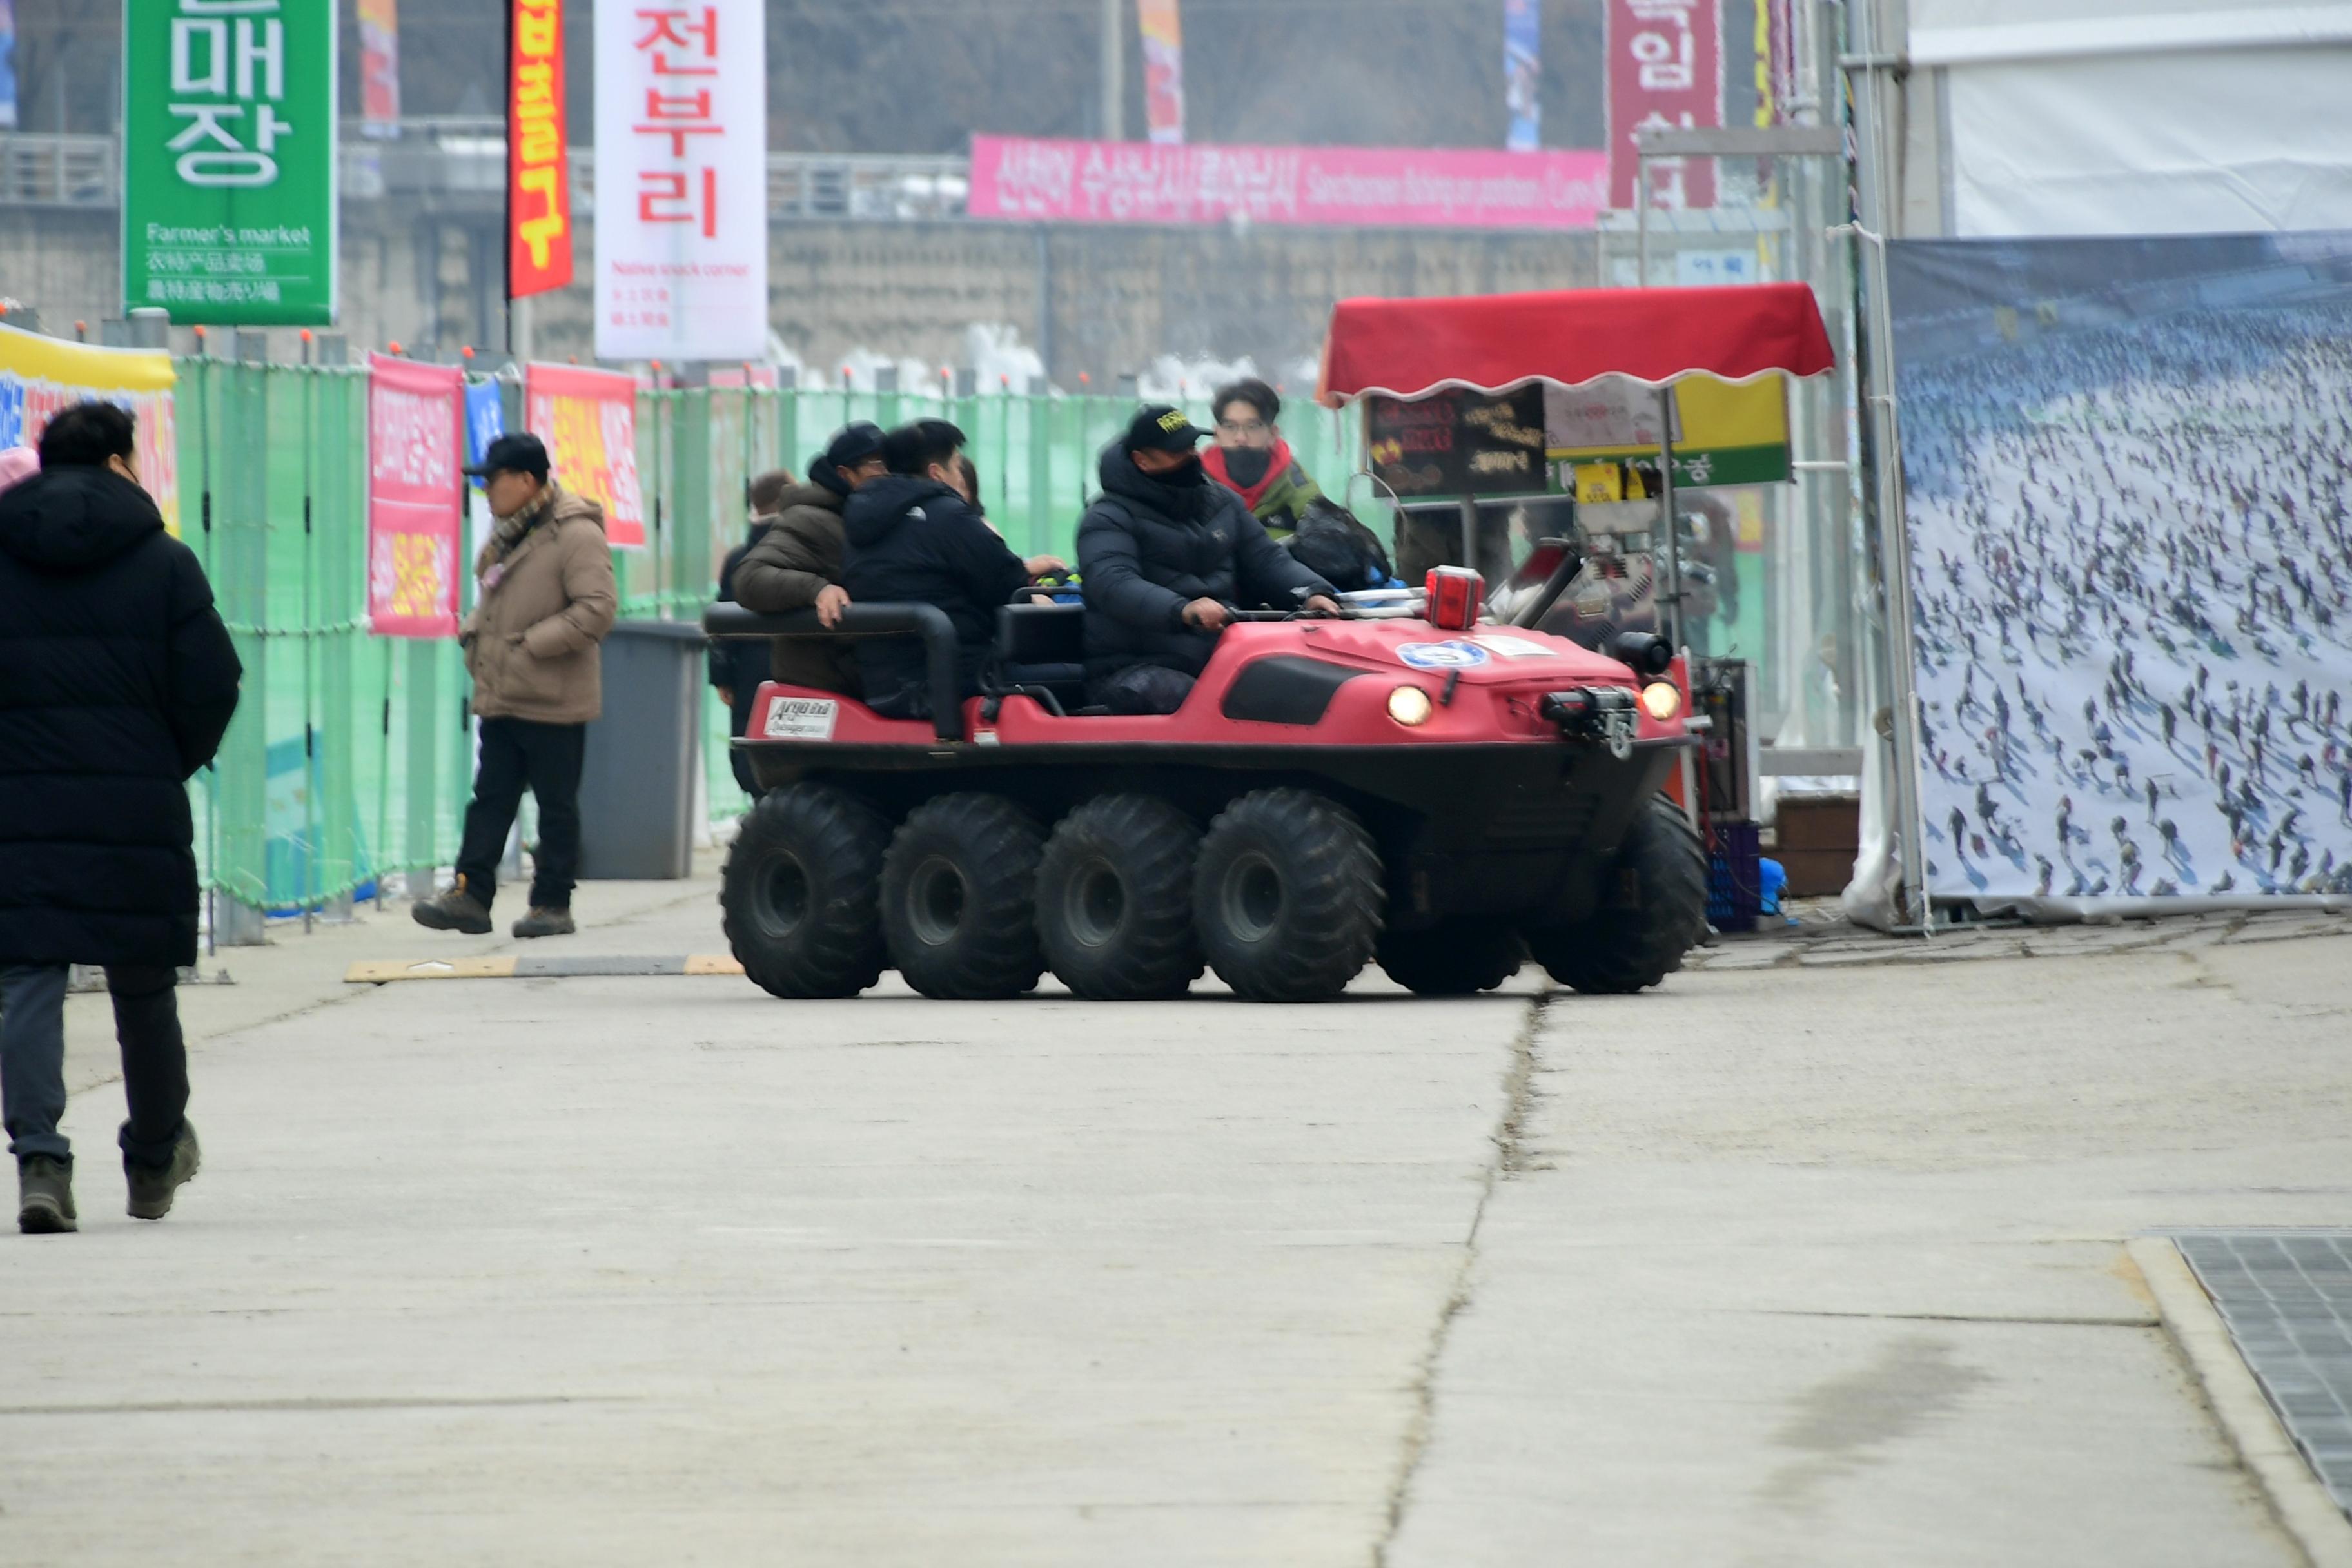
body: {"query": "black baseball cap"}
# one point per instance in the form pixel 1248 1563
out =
pixel 1164 428
pixel 519 454
pixel 853 444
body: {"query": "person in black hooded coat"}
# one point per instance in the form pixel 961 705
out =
pixel 1160 553
pixel 913 538
pixel 117 682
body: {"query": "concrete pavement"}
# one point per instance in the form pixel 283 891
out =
pixel 1797 1265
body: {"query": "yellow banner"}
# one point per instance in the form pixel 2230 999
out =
pixel 40 375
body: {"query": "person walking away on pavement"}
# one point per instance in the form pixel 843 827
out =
pixel 913 538
pixel 737 668
pixel 797 566
pixel 1162 553
pixel 117 682
pixel 546 600
pixel 1253 461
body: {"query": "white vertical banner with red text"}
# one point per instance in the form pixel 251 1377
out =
pixel 1665 68
pixel 417 430
pixel 682 180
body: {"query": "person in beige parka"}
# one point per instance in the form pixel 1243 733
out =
pixel 546 598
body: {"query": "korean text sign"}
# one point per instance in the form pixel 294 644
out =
pixel 228 160
pixel 1135 182
pixel 589 420
pixel 40 375
pixel 682 180
pixel 417 430
pixel 538 184
pixel 1665 68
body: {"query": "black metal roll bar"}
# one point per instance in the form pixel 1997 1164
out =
pixel 927 622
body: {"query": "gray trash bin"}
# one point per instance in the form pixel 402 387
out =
pixel 637 787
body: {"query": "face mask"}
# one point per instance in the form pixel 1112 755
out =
pixel 1247 465
pixel 1188 477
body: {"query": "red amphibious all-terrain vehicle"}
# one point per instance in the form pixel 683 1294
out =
pixel 1445 797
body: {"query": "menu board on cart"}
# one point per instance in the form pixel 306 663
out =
pixel 1456 443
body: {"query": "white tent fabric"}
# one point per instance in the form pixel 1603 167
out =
pixel 2095 117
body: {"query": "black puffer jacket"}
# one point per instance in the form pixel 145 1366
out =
pixel 1147 549
pixel 913 541
pixel 117 680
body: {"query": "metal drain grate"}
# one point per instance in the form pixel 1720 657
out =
pixel 2286 1296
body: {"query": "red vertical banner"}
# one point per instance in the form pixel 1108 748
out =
pixel 379 63
pixel 1162 30
pixel 539 181
pixel 417 430
pixel 1665 68
pixel 589 420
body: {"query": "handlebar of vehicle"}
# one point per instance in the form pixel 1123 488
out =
pixel 1231 614
pixel 927 622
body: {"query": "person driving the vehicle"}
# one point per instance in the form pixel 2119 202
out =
pixel 912 538
pixel 1162 554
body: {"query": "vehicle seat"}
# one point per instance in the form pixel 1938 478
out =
pixel 1044 645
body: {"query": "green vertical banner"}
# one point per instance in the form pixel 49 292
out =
pixel 228 160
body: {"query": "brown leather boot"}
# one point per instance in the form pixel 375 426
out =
pixel 456 910
pixel 545 922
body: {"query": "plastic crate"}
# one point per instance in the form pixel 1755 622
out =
pixel 1734 882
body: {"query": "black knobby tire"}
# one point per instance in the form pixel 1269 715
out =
pixel 798 892
pixel 1114 899
pixel 1287 895
pixel 1459 957
pixel 959 888
pixel 1652 910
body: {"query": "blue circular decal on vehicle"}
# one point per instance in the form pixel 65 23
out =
pixel 1454 654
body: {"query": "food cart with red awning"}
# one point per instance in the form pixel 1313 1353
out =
pixel 1522 395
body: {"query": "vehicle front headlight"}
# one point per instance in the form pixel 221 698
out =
pixel 1660 700
pixel 1411 706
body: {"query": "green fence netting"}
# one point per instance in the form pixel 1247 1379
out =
pixel 351 755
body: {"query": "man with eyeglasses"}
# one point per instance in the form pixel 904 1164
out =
pixel 1253 461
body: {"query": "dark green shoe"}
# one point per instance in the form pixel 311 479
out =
pixel 45 1195
pixel 456 910
pixel 545 922
pixel 151 1189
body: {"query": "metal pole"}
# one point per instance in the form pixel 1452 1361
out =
pixel 519 325
pixel 1641 218
pixel 1672 599
pixel 1114 70
pixel 1894 544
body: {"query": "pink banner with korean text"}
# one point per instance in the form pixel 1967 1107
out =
pixel 417 430
pixel 589 420
pixel 1665 69
pixel 1033 180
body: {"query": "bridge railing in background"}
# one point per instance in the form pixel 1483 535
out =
pixel 351 755
pixel 462 160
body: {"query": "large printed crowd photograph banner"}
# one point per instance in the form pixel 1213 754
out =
pixel 1032 180
pixel 415 433
pixel 39 375
pixel 2129 473
pixel 589 420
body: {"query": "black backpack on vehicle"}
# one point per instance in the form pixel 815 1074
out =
pixel 1330 542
